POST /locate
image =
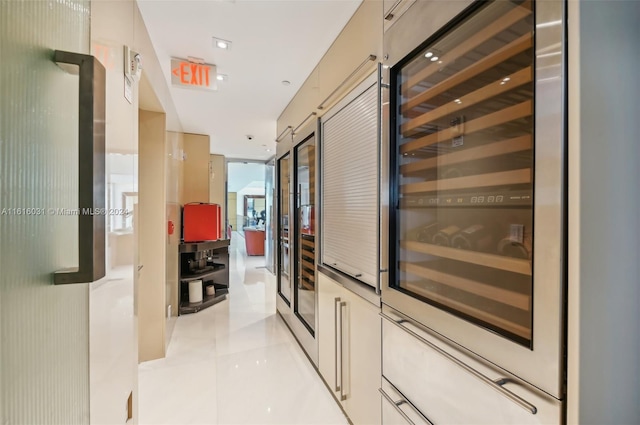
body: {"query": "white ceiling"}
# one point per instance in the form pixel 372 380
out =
pixel 272 41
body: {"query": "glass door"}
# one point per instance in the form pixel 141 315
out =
pixel 464 165
pixel 269 190
pixel 305 184
pixel 284 265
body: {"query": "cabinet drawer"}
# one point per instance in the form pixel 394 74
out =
pixel 397 410
pixel 448 386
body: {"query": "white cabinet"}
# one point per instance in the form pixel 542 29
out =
pixel 349 338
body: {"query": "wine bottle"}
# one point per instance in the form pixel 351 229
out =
pixel 517 244
pixel 476 238
pixel 426 233
pixel 443 237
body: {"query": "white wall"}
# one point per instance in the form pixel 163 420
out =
pixel 604 213
pixel 113 321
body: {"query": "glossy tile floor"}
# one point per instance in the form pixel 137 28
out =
pixel 235 362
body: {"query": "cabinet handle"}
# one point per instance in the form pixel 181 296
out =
pixel 288 129
pixel 496 385
pixel 401 402
pixel 389 16
pixel 295 130
pixel 369 58
pixel 336 303
pixel 343 395
pixel 91 164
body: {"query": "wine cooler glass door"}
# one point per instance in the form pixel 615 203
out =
pixel 284 263
pixel 305 287
pixel 476 190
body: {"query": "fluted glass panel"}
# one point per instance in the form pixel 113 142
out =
pixel 44 341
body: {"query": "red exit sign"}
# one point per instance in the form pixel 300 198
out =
pixel 193 75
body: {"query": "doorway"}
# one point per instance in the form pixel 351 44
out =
pixel 245 196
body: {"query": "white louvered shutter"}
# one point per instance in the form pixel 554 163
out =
pixel 350 188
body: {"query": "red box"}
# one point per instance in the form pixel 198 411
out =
pixel 201 222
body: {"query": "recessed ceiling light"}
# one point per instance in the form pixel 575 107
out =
pixel 428 54
pixel 434 58
pixel 221 77
pixel 221 43
pixel 286 82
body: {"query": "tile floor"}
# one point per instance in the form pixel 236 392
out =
pixel 235 362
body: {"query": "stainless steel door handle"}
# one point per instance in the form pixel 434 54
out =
pixel 389 15
pixel 91 163
pixel 402 402
pixel 336 303
pixel 496 385
pixel 343 395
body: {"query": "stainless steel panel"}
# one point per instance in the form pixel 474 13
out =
pixel 450 385
pixel 542 365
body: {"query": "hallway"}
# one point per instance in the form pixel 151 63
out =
pixel 235 363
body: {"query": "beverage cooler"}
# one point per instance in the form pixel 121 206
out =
pixel 296 277
pixel 474 116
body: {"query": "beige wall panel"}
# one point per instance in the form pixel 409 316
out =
pixel 113 325
pixel 232 199
pixel 153 70
pixel 152 221
pixel 362 36
pixel 217 184
pixel 196 168
pixel 173 157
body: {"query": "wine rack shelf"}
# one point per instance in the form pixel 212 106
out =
pixel 515 265
pixel 501 322
pixel 505 296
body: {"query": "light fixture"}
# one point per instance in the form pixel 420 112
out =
pixel 286 82
pixel 504 81
pixel 221 77
pixel 458 101
pixel 221 43
pixel 428 54
pixel 434 58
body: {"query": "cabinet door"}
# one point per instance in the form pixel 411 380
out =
pixel 361 355
pixel 329 298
